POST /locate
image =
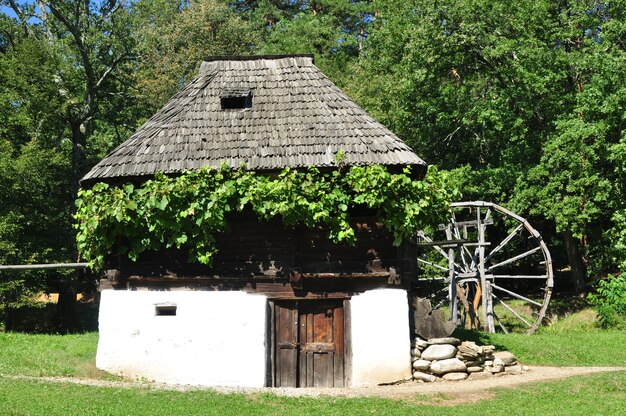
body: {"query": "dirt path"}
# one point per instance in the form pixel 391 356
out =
pixel 450 392
pixel 477 388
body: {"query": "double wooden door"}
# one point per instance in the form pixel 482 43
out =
pixel 309 343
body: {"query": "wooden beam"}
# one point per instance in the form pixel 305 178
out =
pixel 24 267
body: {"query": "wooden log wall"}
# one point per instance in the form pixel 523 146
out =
pixel 270 257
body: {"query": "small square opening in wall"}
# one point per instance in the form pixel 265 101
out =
pixel 165 310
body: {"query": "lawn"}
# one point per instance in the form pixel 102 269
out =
pixel 603 394
pixel 563 344
pixel 49 355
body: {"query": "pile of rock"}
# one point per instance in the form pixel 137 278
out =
pixel 453 360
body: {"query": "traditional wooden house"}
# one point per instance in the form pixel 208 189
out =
pixel 281 305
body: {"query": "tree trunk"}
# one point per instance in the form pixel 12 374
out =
pixel 65 318
pixel 579 274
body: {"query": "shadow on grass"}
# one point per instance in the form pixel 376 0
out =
pixel 38 317
pixel 561 306
pixel 479 337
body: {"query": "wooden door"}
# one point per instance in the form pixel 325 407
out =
pixel 309 343
pixel 286 344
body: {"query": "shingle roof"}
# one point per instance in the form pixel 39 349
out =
pixel 298 118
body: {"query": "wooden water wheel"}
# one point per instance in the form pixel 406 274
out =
pixel 489 266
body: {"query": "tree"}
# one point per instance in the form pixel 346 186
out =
pixel 66 64
pixel 333 31
pixel 577 182
pixel 524 98
pixel 173 37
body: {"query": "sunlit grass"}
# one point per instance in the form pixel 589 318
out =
pixel 601 394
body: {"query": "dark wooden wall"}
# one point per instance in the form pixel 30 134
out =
pixel 268 253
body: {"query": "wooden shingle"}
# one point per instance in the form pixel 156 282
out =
pixel 297 118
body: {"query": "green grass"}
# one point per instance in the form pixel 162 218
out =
pixel 598 348
pixel 573 339
pixel 49 355
pixel 570 341
pixel 603 394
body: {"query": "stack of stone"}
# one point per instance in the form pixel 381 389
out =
pixel 453 360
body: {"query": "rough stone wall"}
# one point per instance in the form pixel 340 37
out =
pixel 453 360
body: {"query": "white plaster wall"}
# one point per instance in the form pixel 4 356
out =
pixel 381 347
pixel 215 339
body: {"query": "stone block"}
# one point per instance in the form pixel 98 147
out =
pixel 480 376
pixel 446 340
pixel 428 378
pixel 439 352
pixel 450 365
pixel 513 369
pixel 454 376
pixel 506 357
pixel 421 364
pixel 420 344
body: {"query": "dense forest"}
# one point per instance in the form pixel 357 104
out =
pixel 523 102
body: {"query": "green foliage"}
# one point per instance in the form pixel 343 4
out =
pixel 174 36
pixel 609 301
pixel 523 100
pixel 65 71
pixel 334 31
pixel 189 209
pixel 35 222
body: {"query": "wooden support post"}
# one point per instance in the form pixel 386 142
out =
pixel 490 325
pixel 454 309
pixel 481 268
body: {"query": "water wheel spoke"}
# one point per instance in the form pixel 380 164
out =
pixel 519 276
pixel 438 305
pixel 430 240
pixel 487 215
pixel 524 298
pixel 500 324
pixel 504 242
pixel 445 255
pixel 467 266
pixel 438 279
pixel 433 294
pixel 508 308
pixel 464 249
pixel 514 259
pixel 465 252
pixel 475 257
pixel 432 264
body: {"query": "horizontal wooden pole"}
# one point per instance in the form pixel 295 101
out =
pixel 24 267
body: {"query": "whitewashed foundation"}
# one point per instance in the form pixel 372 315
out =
pixel 380 337
pixel 218 338
pixel 215 339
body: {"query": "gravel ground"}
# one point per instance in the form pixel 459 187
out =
pixel 462 391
